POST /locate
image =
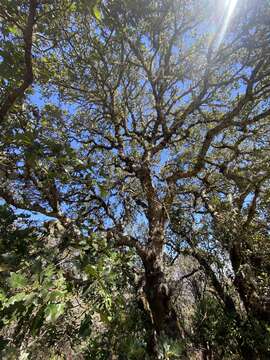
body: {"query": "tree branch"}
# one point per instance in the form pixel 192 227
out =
pixel 28 77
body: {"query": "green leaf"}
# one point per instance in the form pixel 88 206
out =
pixel 14 30
pixel 57 295
pixel 17 281
pixel 37 322
pixel 97 13
pixel 91 270
pixel 2 296
pixel 103 191
pixel 105 318
pixel 73 7
pixel 85 328
pixel 16 298
pixel 53 311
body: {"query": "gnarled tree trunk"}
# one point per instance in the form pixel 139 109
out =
pixel 158 294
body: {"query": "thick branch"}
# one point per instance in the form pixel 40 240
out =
pixel 125 240
pixel 18 93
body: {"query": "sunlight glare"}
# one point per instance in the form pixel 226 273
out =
pixel 229 8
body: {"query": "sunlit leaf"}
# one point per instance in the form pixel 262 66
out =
pixel 96 12
pixel 53 311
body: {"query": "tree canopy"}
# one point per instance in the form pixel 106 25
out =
pixel 134 164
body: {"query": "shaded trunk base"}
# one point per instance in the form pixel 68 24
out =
pixel 158 295
pixel 163 316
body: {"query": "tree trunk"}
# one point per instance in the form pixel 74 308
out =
pixel 158 294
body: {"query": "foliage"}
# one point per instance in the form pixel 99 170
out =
pixel 80 293
pixel 134 165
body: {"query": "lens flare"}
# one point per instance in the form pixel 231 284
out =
pixel 229 8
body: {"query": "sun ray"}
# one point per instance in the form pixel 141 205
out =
pixel 229 8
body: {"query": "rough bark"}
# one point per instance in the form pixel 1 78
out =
pixel 158 295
